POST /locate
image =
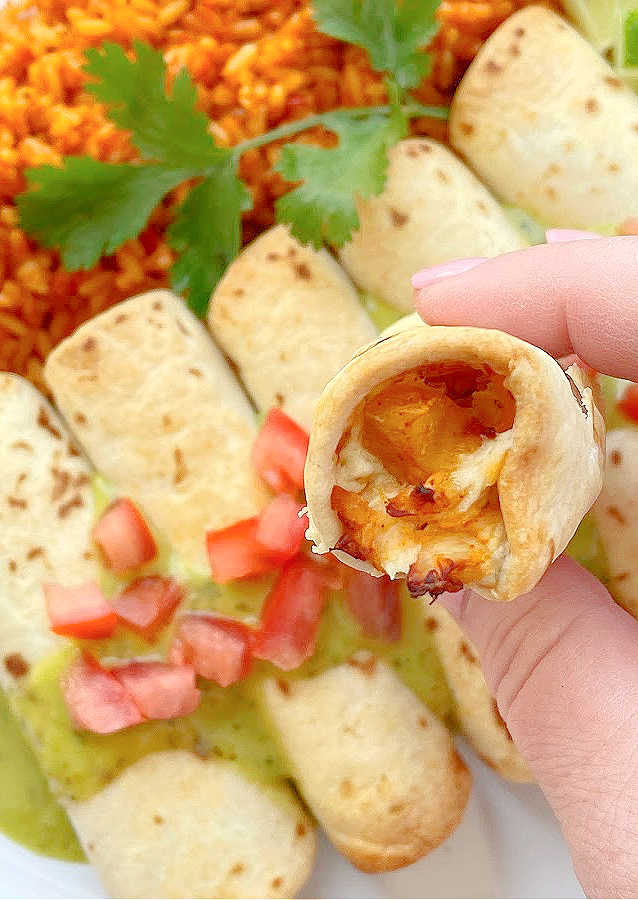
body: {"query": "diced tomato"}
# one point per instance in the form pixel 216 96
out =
pixel 234 552
pixel 148 604
pixel 376 604
pixel 80 612
pixel 124 537
pixel 629 402
pixel 279 452
pixel 280 530
pixel 217 648
pixel 97 701
pixel 291 615
pixel 160 690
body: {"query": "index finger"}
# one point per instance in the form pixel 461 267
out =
pixel 579 297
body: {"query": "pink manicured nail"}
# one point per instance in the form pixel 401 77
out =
pixel 444 270
pixel 562 235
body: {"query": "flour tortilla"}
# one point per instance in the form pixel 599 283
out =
pixel 550 476
pixel 476 710
pixel 547 124
pixel 160 414
pixel 364 749
pixel 370 834
pixel 214 817
pixel 616 514
pixel 268 312
pixel 432 209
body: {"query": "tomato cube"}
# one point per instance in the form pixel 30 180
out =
pixel 628 403
pixel 96 700
pixel 124 537
pixel 234 552
pixel 291 615
pixel 376 604
pixel 279 452
pixel 148 604
pixel 79 612
pixel 280 529
pixel 217 648
pixel 160 690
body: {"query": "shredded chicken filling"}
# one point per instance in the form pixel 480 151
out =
pixel 417 469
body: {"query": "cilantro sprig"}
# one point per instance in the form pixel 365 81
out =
pixel 87 208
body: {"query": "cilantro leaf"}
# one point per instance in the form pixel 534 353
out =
pixel 392 31
pixel 324 206
pixel 164 127
pixel 207 234
pixel 88 209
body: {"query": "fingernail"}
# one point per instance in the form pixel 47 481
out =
pixel 444 270
pixel 562 235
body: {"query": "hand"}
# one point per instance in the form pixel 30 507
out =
pixel 562 661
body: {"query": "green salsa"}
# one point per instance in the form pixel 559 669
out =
pixel 382 314
pixel 29 813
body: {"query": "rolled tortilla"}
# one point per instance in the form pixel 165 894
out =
pixel 161 828
pixel 547 125
pixel 453 456
pixel 433 209
pixel 375 765
pixel 288 317
pixel 377 834
pixel 476 710
pixel 159 412
pixel 616 514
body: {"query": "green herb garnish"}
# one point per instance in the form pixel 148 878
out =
pixel 87 209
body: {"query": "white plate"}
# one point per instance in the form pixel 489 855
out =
pixel 508 845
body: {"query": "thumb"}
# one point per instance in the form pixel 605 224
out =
pixel 562 663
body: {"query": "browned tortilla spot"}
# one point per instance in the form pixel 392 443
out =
pixel 276 883
pixel 167 422
pixel 425 148
pixel 616 514
pixel 80 418
pixel 21 445
pixel 45 422
pixel 279 398
pixel 493 67
pixel 292 252
pixel 237 869
pixel 622 577
pixel 423 722
pixel 13 566
pixel 90 377
pixel 466 128
pixel 303 272
pixel 592 105
pixel 180 466
pixel 412 152
pixel 519 32
pixel 614 82
pixel 34 552
pixel 182 327
pixel 81 481
pixel 465 651
pixel 16 665
pixel 613 167
pixel 89 345
pixel 72 450
pixel 616 457
pixel 272 257
pixel 159 820
pixel 196 372
pixel 399 219
pixel 17 502
pixel 431 624
pixel 515 50
pixel 482 206
pixel 367 665
pixel 238 292
pixel 61 481
pixel 345 788
pixel 284 687
pixel 158 306
pixel 300 829
pixel 121 318
pixel 443 177
pixel 75 502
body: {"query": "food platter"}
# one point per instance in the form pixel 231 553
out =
pixel 486 857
